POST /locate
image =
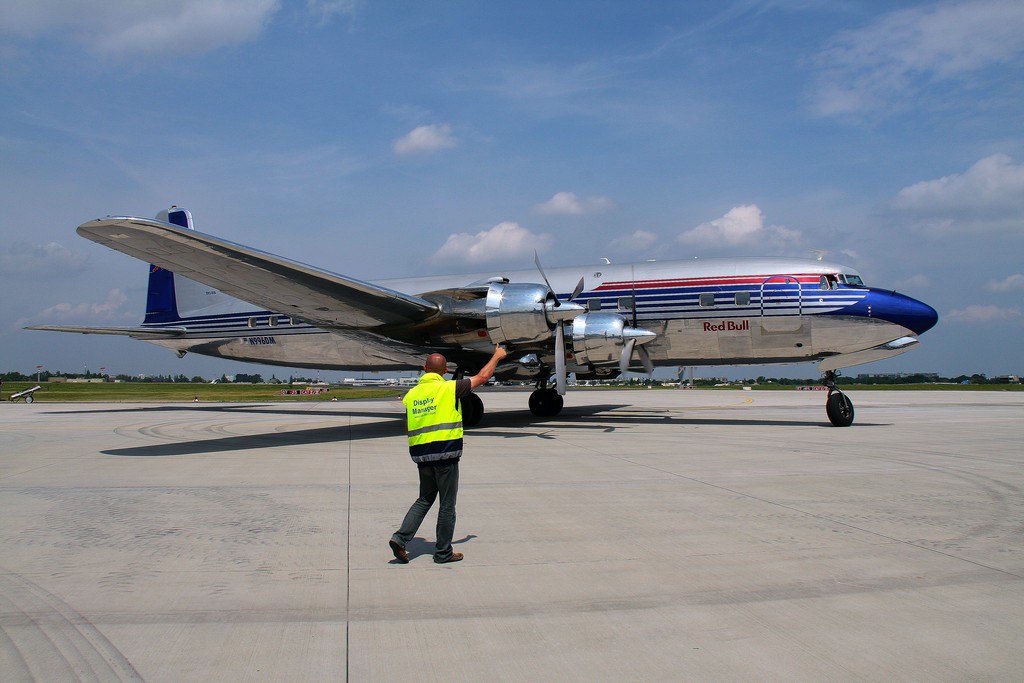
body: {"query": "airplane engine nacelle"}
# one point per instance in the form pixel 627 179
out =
pixel 517 314
pixel 597 338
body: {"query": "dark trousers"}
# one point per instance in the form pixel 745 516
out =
pixel 434 480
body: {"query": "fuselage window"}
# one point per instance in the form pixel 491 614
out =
pixel 593 304
pixel 272 321
pixel 742 298
pixel 626 303
pixel 707 300
pixel 252 322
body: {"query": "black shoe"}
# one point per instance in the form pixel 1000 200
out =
pixel 399 550
pixel 454 557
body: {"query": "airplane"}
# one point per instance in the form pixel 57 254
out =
pixel 218 298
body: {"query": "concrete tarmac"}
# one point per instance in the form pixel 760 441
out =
pixel 641 535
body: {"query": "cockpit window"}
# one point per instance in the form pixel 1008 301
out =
pixel 828 282
pixel 852 280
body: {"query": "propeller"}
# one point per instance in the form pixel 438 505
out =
pixel 637 338
pixel 645 359
pixel 560 372
pixel 536 262
pixel 627 354
pixel 577 290
pixel 559 359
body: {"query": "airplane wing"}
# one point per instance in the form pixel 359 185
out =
pixel 134 332
pixel 316 296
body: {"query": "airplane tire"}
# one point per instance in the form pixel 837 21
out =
pixel 839 409
pixel 558 402
pixel 545 403
pixel 29 399
pixel 472 410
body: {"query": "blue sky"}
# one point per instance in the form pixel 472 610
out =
pixel 393 139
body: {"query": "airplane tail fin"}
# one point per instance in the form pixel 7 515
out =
pixel 161 300
pixel 175 216
pixel 173 298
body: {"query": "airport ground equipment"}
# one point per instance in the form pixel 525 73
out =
pixel 25 395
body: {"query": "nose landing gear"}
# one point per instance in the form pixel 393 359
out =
pixel 838 406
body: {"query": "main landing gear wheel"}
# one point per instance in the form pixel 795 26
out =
pixel 545 403
pixel 839 409
pixel 472 410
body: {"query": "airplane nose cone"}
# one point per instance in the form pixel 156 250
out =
pixel 916 315
pixel 926 318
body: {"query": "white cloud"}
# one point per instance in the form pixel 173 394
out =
pixel 131 28
pixel 891 60
pixel 741 226
pixel 504 241
pixel 1008 284
pixel 568 204
pixel 918 281
pixel 51 258
pixel 985 313
pixel 85 311
pixel 425 140
pixel 640 240
pixel 988 196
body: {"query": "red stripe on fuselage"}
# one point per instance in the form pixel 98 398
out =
pixel 707 282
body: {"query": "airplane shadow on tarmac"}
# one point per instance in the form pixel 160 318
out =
pixel 395 426
pixel 610 420
pixel 507 425
pixel 258 408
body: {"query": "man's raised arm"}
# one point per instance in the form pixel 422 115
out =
pixel 480 378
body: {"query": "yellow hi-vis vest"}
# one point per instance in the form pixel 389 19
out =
pixel 434 420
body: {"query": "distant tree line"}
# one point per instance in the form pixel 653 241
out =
pixel 239 378
pixel 47 375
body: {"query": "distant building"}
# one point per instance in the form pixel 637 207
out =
pixel 926 376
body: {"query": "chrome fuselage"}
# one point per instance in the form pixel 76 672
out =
pixel 704 312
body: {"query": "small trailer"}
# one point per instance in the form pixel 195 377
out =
pixel 26 394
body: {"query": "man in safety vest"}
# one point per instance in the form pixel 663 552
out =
pixel 434 419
